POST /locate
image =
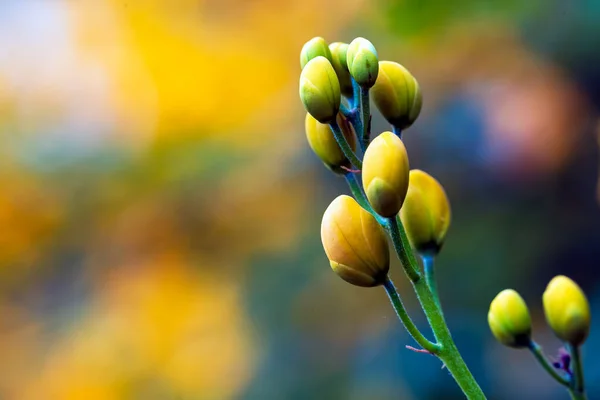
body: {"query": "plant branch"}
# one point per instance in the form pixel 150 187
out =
pixel 365 118
pixel 359 195
pixel 344 146
pixel 536 350
pixel 397 131
pixel 429 269
pixel 402 247
pixel 412 329
pixel 448 352
pixel 578 383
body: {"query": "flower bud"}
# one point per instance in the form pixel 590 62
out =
pixel 397 94
pixel 426 212
pixel 323 143
pixel 567 310
pixel 340 65
pixel 385 174
pixel 509 319
pixel 315 47
pixel 363 62
pixel 320 90
pixel 355 243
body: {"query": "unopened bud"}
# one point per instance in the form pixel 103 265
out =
pixel 323 143
pixel 397 94
pixel 385 174
pixel 320 90
pixel 567 310
pixel 355 243
pixel 315 47
pixel 426 212
pixel 509 319
pixel 340 65
pixel 363 62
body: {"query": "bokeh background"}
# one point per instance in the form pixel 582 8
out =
pixel 160 209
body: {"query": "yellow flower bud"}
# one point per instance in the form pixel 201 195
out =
pixel 363 62
pixel 355 243
pixel 323 143
pixel 315 47
pixel 567 310
pixel 340 65
pixel 426 212
pixel 320 90
pixel 385 174
pixel 397 94
pixel 509 319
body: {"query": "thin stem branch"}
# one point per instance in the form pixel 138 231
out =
pixel 355 93
pixel 344 145
pixel 359 195
pixel 406 320
pixel 429 269
pixel 576 395
pixel 357 114
pixel 397 131
pixel 536 350
pixel 409 264
pixel 578 383
pixel 448 352
pixel 365 118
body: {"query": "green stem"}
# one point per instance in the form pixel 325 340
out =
pixel 407 259
pixel 360 197
pixel 406 320
pixel 578 383
pixel 429 269
pixel 343 143
pixel 365 106
pixel 536 350
pixel 576 395
pixel 448 351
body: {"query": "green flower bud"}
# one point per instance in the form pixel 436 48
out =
pixel 363 62
pixel 323 143
pixel 509 319
pixel 320 90
pixel 355 243
pixel 397 94
pixel 340 65
pixel 315 47
pixel 385 174
pixel 567 310
pixel 426 212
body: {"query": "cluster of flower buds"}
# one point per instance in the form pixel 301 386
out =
pixel 568 315
pixel 328 72
pixel 353 237
pixel 337 82
pixel 565 305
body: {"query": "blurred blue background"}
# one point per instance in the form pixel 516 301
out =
pixel 160 208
